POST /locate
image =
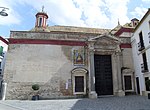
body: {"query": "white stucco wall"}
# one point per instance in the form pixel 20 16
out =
pixel 4 45
pixel 137 55
pixel 2 59
pixel 127 58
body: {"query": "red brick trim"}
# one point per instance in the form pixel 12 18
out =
pixel 120 31
pixel 2 39
pixel 125 46
pixel 51 42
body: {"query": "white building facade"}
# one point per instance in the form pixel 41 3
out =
pixel 3 50
pixel 140 42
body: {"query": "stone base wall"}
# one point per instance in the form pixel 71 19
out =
pixel 24 91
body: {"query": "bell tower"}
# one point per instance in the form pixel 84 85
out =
pixel 41 19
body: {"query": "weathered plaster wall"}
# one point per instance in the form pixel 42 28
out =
pixel 127 58
pixel 48 65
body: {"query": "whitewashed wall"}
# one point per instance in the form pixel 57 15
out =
pixel 137 56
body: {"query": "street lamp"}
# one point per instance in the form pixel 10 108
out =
pixel 2 12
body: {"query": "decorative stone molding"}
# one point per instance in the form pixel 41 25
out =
pixel 127 71
pixel 79 72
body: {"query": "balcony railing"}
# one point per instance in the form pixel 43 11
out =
pixel 2 54
pixel 140 46
pixel 144 68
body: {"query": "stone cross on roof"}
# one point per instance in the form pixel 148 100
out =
pixel 42 8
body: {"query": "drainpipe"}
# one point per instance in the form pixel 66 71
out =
pixel 4 85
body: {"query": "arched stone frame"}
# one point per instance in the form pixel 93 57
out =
pixel 79 72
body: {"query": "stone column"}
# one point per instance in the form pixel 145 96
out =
pixel 92 93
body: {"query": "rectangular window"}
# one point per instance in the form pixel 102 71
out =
pixel 1 50
pixel 79 83
pixel 149 31
pixel 0 68
pixel 141 42
pixel 149 36
pixel 128 82
pixel 147 88
pixel 40 22
pixel 149 25
pixel 144 66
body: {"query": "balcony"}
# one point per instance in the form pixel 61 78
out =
pixel 144 68
pixel 141 46
pixel 1 55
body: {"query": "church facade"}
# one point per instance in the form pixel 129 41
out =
pixel 68 61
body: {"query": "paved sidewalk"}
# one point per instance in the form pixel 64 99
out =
pixel 105 103
pixel 4 106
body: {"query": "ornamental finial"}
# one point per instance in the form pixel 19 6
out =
pixel 42 8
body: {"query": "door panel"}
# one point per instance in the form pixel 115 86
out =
pixel 137 85
pixel 128 82
pixel 103 75
pixel 79 83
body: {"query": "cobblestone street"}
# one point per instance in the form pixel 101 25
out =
pixel 105 103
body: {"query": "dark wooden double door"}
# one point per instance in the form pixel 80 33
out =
pixel 103 75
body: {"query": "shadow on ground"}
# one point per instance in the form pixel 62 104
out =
pixel 113 103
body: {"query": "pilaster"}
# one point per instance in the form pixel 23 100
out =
pixel 92 93
pixel 119 75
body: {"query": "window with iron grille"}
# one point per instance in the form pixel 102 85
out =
pixel 141 43
pixel 144 66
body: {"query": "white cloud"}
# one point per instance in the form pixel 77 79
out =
pixel 146 0
pixel 104 13
pixel 91 13
pixel 139 12
pixel 13 18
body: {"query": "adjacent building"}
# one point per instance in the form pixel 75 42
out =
pixel 3 50
pixel 141 53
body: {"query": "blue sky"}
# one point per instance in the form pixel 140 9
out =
pixel 84 13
